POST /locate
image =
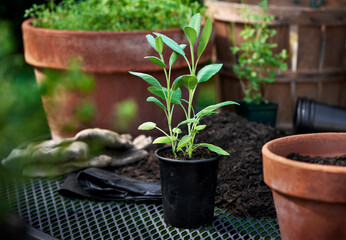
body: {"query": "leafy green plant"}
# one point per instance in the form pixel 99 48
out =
pixel 256 63
pixel 171 93
pixel 56 83
pixel 113 15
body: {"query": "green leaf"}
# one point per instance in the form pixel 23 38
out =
pixel 200 127
pixel 190 34
pixel 157 102
pixel 156 60
pixel 151 41
pixel 203 41
pixel 163 139
pixel 147 126
pixel 187 121
pixel 214 148
pixel 195 23
pixel 162 93
pixel 207 72
pixel 171 43
pixel 183 141
pixel 177 130
pixel 175 55
pixel 176 97
pixel 212 108
pixel 159 92
pixel 148 78
pixel 159 44
pixel 189 81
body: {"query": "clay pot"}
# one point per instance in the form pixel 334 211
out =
pixel 310 199
pixel 108 56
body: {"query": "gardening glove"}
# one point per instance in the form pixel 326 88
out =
pixel 99 184
pixel 89 148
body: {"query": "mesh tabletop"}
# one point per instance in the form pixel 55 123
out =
pixel 38 203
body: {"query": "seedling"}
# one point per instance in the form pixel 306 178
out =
pixel 171 93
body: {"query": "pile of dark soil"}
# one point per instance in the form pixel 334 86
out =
pixel 241 189
pixel 335 161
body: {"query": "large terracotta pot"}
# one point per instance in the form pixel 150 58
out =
pixel 310 199
pixel 108 56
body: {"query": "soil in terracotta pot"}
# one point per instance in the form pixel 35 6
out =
pixel 241 189
pixel 336 161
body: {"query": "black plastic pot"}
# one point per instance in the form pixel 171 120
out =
pixel 263 113
pixel 188 190
pixel 312 116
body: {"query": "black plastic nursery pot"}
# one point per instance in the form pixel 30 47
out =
pixel 261 113
pixel 188 190
pixel 312 116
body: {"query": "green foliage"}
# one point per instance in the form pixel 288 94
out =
pixel 113 15
pixel 256 62
pixel 21 114
pixel 125 112
pixel 171 93
pixel 72 80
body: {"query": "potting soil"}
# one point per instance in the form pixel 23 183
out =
pixel 240 189
pixel 336 161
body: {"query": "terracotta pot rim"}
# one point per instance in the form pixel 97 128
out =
pixel 27 24
pixel 324 183
pixel 266 149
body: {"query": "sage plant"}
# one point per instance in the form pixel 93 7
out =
pixel 171 93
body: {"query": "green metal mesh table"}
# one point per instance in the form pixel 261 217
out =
pixel 38 203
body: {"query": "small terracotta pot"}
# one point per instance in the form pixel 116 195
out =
pixel 310 199
pixel 107 56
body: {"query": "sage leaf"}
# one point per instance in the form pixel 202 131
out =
pixel 148 78
pixel 156 60
pixel 162 93
pixel 159 92
pixel 176 130
pixel 207 72
pixel 187 121
pixel 163 139
pixel 183 141
pixel 159 44
pixel 203 41
pixel 200 127
pixel 171 43
pixel 151 41
pixel 176 97
pixel 157 102
pixel 195 23
pixel 188 81
pixel 207 110
pixel 147 126
pixel 190 34
pixel 214 148
pixel 175 55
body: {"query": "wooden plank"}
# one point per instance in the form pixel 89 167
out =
pixel 285 108
pixel 223 42
pixel 334 50
pixel 226 11
pixel 282 38
pixel 309 47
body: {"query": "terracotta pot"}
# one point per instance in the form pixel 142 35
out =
pixel 310 199
pixel 108 56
